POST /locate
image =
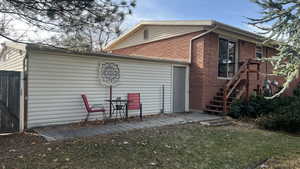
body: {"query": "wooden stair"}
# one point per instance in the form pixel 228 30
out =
pixel 216 106
pixel 234 89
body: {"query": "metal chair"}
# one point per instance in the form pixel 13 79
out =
pixel 134 103
pixel 92 108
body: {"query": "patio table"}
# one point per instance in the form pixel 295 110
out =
pixel 118 106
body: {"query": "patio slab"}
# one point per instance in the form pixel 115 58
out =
pixel 68 132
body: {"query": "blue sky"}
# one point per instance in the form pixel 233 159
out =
pixel 232 12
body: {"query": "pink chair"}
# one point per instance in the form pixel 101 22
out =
pixel 92 108
pixel 134 103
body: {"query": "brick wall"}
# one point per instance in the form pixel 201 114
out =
pixel 176 47
pixel 197 74
pixel 204 81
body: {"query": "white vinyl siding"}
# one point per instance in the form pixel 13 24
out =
pixel 156 33
pixel 55 82
pixel 13 60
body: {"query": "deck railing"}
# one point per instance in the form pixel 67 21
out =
pixel 238 80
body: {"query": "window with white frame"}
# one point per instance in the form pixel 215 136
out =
pixel 227 58
pixel 259 51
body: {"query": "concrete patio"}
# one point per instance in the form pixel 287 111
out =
pixel 68 132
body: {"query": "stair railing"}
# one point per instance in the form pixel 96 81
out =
pixel 231 85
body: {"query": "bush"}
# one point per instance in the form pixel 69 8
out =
pixel 256 107
pixel 285 118
pixel 282 113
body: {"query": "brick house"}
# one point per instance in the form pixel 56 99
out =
pixel 216 54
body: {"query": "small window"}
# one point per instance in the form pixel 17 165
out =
pixel 259 51
pixel 146 34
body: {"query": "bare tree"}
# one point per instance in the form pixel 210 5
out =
pixel 80 25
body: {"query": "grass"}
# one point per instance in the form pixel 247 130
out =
pixel 173 147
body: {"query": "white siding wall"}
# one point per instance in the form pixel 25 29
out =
pixel 56 82
pixel 13 61
pixel 156 33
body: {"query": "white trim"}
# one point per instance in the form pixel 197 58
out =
pixel 22 102
pixel 224 78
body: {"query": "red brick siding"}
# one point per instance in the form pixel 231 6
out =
pixel 197 75
pixel 204 81
pixel 176 47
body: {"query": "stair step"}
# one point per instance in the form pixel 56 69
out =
pixel 219 102
pixel 214 106
pixel 214 111
pixel 220 94
pixel 221 98
pixel 233 94
pixel 216 123
pixel 225 123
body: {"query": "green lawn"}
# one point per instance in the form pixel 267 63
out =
pixel 181 146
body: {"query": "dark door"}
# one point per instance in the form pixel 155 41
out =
pixel 179 79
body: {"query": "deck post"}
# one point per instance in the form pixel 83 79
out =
pixel 247 85
pixel 110 99
pixel 258 78
pixel 225 101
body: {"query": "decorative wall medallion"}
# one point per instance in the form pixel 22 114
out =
pixel 109 74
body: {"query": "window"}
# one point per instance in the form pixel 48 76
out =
pixel 146 34
pixel 259 51
pixel 227 56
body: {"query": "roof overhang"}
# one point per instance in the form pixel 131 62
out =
pixel 43 48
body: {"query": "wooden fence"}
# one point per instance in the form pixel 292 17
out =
pixel 9 101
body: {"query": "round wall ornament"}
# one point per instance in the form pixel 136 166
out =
pixel 109 74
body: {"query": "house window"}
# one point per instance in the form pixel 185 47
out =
pixel 259 51
pixel 146 34
pixel 227 58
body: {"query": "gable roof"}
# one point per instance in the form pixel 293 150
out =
pixel 205 23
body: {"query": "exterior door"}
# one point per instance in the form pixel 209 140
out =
pixel 179 79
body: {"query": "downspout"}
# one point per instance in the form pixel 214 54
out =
pixel 199 36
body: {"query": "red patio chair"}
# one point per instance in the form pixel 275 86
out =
pixel 134 103
pixel 92 108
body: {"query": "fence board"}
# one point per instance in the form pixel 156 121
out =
pixel 9 101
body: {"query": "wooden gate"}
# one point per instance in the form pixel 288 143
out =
pixel 9 101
